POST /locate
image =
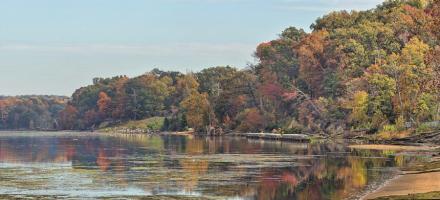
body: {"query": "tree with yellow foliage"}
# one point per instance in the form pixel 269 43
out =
pixel 197 110
pixel 359 107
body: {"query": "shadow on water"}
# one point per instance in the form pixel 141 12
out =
pixel 177 167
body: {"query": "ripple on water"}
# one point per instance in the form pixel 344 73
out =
pixel 84 165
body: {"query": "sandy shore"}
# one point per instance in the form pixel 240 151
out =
pixel 418 179
pixel 393 147
pixel 408 184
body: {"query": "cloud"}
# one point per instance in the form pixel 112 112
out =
pixel 201 49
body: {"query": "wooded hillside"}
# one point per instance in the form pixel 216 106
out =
pixel 374 70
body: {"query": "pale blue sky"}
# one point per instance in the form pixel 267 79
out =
pixel 56 46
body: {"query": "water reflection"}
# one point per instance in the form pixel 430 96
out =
pixel 222 167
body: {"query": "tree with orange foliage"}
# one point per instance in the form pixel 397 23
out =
pixel 104 103
pixel 312 61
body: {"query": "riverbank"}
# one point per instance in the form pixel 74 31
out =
pixel 429 195
pixel 417 181
pixel 409 185
pixel 274 136
pixel 144 126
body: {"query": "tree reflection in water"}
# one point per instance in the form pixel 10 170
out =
pixel 176 165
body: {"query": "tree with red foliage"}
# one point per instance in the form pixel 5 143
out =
pixel 252 120
pixel 434 11
pixel 68 117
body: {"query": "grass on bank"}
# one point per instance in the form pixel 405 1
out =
pixel 153 124
pixel 389 132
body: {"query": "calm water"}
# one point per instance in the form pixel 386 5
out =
pixel 81 166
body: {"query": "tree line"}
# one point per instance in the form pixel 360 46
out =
pixel 373 70
pixel 31 112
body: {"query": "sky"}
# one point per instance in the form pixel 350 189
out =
pixel 56 46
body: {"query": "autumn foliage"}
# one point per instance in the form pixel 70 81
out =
pixel 359 70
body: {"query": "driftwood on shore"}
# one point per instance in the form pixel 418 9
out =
pixel 428 137
pixel 274 136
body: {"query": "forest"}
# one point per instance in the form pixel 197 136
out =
pixel 374 71
pixel 31 112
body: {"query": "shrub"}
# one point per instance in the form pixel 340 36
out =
pixel 155 123
pixel 428 126
pixel 391 131
pixel 400 123
pixel 389 128
pixel 293 130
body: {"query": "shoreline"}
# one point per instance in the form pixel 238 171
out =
pixel 274 136
pixel 416 181
pixel 407 184
pixel 378 187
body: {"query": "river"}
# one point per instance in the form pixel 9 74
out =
pixel 63 165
